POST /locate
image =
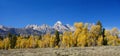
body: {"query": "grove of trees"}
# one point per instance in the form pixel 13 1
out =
pixel 85 35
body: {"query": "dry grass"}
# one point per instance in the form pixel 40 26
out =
pixel 75 51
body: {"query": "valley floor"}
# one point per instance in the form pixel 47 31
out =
pixel 74 51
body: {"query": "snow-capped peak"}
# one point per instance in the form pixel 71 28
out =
pixel 70 27
pixel 32 26
pixel 32 29
pixel 60 27
pixel 58 23
pixel 42 28
pixel 46 28
pixel 3 28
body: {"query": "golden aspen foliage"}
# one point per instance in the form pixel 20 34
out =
pixel 52 41
pixel 90 40
pixel 1 44
pixel 94 34
pixel 19 42
pixel 81 34
pixel 6 43
pixel 67 39
pixel 118 42
pixel 84 35
pixel 32 42
pixel 82 39
pixel 46 39
pixel 112 40
pixel 114 31
pixel 95 29
pixel 112 37
pixel 100 41
pixel 56 47
pixel 40 44
pixel 78 30
pixel 78 27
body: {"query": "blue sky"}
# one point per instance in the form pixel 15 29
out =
pixel 19 13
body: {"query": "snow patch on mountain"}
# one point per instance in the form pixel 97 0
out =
pixel 3 28
pixel 46 28
pixel 62 28
pixel 33 29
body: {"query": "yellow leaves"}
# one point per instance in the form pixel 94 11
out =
pixel 6 43
pixel 81 37
pixel 67 39
pixel 82 40
pixel 40 43
pixel 118 40
pixel 107 33
pixel 52 41
pixel 19 42
pixel 31 42
pixel 112 40
pixel 114 31
pixel 47 41
pixel 56 47
pixel 112 37
pixel 1 44
pixel 100 41
pixel 78 25
pixel 95 29
pixel 94 35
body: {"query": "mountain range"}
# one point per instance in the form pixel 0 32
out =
pixel 36 29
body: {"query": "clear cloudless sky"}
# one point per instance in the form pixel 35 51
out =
pixel 19 13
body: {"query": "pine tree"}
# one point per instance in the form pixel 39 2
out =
pixel 100 24
pixel 13 41
pixel 57 38
pixel 104 39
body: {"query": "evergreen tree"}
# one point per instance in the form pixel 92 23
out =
pixel 102 32
pixel 100 24
pixel 1 37
pixel 9 35
pixel 40 37
pixel 57 37
pixel 13 41
pixel 104 40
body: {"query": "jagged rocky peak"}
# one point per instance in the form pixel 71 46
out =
pixel 34 26
pixel 38 29
pixel 31 26
pixel 1 26
pixel 60 27
pixel 70 27
pixel 45 26
pixel 58 23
